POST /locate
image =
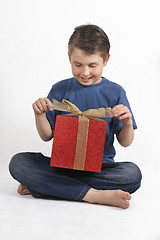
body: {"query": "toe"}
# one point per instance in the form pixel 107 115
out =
pixel 127 196
pixel 23 190
pixel 125 205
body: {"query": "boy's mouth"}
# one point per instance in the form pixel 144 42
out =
pixel 85 79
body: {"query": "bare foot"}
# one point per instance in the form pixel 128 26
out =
pixel 117 198
pixel 23 190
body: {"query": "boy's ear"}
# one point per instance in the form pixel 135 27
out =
pixel 107 58
pixel 69 56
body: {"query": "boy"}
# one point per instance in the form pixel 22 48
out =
pixel 88 51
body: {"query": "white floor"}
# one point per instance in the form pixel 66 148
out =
pixel 24 217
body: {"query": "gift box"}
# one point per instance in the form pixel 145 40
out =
pixel 78 143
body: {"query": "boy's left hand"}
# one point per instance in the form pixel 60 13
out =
pixel 122 113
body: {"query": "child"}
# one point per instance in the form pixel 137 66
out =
pixel 88 51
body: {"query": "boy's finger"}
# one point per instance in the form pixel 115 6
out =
pixel 49 104
pixel 119 110
pixel 35 108
pixel 124 116
pixel 44 104
pixel 40 105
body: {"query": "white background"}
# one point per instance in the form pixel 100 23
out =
pixel 33 55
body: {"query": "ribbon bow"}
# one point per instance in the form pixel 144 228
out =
pixel 67 106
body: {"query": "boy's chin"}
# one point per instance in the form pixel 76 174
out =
pixel 87 82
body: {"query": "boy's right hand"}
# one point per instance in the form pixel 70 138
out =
pixel 42 105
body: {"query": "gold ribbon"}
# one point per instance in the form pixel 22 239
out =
pixel 81 144
pixel 67 106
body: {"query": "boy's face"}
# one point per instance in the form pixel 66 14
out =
pixel 87 68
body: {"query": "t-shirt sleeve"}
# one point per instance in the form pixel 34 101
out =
pixel 117 124
pixel 51 115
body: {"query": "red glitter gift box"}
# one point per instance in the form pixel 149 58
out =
pixel 78 143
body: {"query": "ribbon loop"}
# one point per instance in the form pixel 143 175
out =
pixel 73 110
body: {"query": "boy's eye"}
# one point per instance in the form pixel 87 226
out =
pixel 78 65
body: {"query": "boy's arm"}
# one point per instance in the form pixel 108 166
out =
pixel 126 135
pixel 40 107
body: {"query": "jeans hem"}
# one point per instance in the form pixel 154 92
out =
pixel 132 189
pixel 83 193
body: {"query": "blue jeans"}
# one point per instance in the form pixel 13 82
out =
pixel 34 171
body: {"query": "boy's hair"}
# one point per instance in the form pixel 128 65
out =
pixel 91 39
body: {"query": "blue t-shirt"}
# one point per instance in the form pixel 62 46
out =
pixel 103 94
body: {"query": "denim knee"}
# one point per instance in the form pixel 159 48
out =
pixel 133 177
pixel 15 165
pixel 134 173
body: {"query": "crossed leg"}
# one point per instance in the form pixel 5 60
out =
pixel 100 188
pixel 117 198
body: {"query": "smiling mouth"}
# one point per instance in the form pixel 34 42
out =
pixel 85 79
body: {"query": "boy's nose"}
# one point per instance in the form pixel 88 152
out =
pixel 85 72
